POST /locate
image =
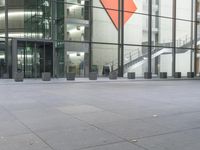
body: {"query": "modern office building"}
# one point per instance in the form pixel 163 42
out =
pixel 59 36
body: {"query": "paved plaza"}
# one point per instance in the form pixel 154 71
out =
pixel 102 115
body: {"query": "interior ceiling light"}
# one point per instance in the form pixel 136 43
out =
pixel 21 34
pixel 82 2
pixel 46 3
pixel 2 3
pixel 20 13
pixel 73 7
pixel 2 56
pixel 80 28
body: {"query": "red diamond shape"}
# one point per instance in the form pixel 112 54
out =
pixel 111 6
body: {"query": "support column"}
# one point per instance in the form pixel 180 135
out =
pixel 174 38
pixel 122 39
pixel 91 34
pixel 7 53
pixel 148 75
pixel 54 36
pixel 195 36
pixel 191 36
pixel 119 38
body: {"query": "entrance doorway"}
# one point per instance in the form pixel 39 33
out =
pixel 77 62
pixel 2 59
pixel 33 58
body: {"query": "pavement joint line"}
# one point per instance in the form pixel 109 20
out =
pixel 111 143
pixel 106 131
pixel 167 133
pixel 96 81
pixel 166 116
pixel 172 132
pixel 15 135
pixel 149 117
pixel 142 119
pixel 129 140
pixel 42 140
pixel 140 146
pixel 177 114
pixel 122 140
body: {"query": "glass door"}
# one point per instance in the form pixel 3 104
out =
pixel 2 59
pixel 29 66
pixel 36 61
pixel 77 63
pixel 20 56
pixel 33 58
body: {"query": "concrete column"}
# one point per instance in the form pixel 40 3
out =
pixel 174 38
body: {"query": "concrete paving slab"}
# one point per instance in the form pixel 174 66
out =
pixel 186 140
pixel 23 142
pixel 45 120
pixel 78 138
pixel 22 105
pixel 131 129
pixel 79 109
pixel 182 121
pixel 10 128
pixel 100 115
pixel 6 116
pixel 116 146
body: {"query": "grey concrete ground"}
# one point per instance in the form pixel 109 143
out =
pixel 120 115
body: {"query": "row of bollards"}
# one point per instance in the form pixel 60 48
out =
pixel 163 75
pixel 130 75
pixel 177 75
pixel 19 76
pixel 46 76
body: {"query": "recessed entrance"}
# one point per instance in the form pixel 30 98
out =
pixel 33 58
pixel 78 63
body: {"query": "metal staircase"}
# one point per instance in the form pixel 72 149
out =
pixel 136 59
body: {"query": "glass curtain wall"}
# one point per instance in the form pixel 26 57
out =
pixel 197 27
pixel 107 35
pixel 136 34
pixel 76 37
pixel 37 19
pixel 170 42
pixel 2 39
pixel 162 37
pixel 184 36
pixel 60 34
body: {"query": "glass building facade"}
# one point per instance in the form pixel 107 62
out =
pixel 82 36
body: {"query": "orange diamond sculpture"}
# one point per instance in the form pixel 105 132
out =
pixel 111 6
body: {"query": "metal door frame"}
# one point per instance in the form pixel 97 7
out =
pixel 14 52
